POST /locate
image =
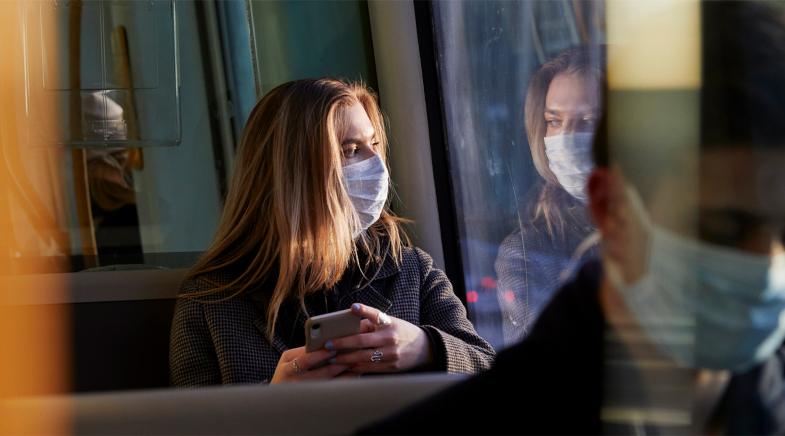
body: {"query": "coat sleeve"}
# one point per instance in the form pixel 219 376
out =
pixel 510 268
pixel 192 357
pixel 444 318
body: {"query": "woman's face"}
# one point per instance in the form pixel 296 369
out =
pixel 358 137
pixel 571 105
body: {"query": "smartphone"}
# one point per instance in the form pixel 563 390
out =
pixel 320 329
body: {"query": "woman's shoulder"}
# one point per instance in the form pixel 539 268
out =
pixel 528 235
pixel 417 262
pixel 411 261
pixel 415 256
pixel 201 285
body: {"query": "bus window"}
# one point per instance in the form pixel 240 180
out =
pixel 520 83
pixel 299 40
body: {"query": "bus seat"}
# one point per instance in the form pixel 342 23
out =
pixel 322 407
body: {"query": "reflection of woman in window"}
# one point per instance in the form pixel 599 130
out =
pixel 562 106
pixel 305 231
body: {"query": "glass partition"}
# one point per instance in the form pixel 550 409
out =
pixel 111 68
pixel 129 76
pixel 114 73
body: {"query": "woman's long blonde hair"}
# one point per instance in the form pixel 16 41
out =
pixel 287 215
pixel 588 62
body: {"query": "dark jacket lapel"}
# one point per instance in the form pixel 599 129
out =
pixel 371 289
pixel 278 343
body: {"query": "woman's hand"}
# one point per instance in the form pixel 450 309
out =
pixel 628 244
pixel 386 344
pixel 297 365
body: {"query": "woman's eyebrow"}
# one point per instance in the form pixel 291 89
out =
pixel 357 140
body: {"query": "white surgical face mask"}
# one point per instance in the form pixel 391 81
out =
pixel 707 306
pixel 367 183
pixel 570 160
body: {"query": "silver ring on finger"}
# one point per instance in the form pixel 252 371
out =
pixel 377 356
pixel 296 366
pixel 383 320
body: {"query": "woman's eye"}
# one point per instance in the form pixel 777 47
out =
pixel 553 123
pixel 350 152
pixel 375 145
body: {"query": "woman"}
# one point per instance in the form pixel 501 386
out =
pixel 561 109
pixel 306 230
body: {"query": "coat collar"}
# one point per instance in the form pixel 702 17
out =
pixel 369 295
pixel 355 288
pixel 369 289
pixel 260 321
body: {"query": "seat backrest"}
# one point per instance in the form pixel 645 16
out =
pixel 321 407
pixel 120 323
pixel 121 344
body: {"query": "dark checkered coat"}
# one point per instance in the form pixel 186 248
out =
pixel 214 343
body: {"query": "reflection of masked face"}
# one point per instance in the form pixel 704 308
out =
pixel 729 301
pixel 570 160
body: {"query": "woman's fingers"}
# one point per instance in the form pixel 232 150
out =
pixel 364 311
pixel 309 360
pixel 363 340
pixel 369 367
pixel 292 354
pixel 371 360
pixel 366 326
pixel 376 316
pixel 355 357
pixel 329 371
pixel 296 364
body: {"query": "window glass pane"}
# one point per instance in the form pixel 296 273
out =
pixel 110 67
pixel 158 207
pixel 145 206
pixel 520 219
pixel 302 39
